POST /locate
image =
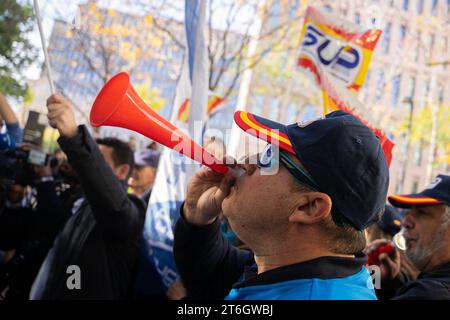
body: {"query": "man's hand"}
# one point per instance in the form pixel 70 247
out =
pixel 205 192
pixel 176 291
pixel 389 263
pixel 61 116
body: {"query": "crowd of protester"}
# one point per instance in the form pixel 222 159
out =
pixel 303 233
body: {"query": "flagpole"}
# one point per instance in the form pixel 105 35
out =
pixel 244 88
pixel 199 73
pixel 46 57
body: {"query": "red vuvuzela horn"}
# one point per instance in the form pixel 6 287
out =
pixel 118 105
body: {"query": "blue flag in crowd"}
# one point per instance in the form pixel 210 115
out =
pixel 173 173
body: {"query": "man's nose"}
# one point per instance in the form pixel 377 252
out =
pixel 408 221
pixel 250 168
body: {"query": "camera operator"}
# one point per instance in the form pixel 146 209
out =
pixel 30 221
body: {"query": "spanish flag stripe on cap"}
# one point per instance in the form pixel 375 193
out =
pixel 283 135
pixel 245 121
pixel 414 200
pixel 259 127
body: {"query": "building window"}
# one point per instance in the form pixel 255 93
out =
pixel 417 47
pixel 293 9
pixel 410 87
pixel 402 33
pixel 405 5
pixel 357 18
pixel 441 94
pixel 419 6
pixel 446 46
pixel 415 187
pixel 276 14
pixel 430 40
pixel 367 80
pixel 328 8
pixel 433 7
pixel 386 38
pixel 395 89
pixel 418 153
pixel 398 187
pixel 379 87
pixel 344 9
pixel 426 93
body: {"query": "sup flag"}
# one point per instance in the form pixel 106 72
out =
pixel 337 54
pixel 342 48
pixel 173 173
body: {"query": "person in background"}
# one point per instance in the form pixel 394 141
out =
pixel 144 173
pixel 215 146
pixel 386 228
pixel 102 235
pixel 427 236
pixel 153 146
pixel 132 143
pixel 29 223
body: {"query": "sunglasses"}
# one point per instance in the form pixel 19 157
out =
pixel 266 160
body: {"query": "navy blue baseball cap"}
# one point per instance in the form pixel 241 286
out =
pixel 340 153
pixel 437 192
pixel 391 221
pixel 146 157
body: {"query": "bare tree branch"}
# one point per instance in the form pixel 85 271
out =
pixel 86 56
pixel 227 47
pixel 224 61
pixel 169 33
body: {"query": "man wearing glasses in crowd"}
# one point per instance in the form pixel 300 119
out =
pixel 301 211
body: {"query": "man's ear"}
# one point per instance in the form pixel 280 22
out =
pixel 313 207
pixel 122 171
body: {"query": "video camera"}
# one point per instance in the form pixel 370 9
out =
pixel 16 165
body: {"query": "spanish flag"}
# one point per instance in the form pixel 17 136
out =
pixel 214 103
pixel 183 111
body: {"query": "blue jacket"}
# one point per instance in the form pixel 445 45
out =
pixel 211 268
pixel 353 287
